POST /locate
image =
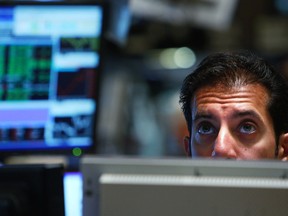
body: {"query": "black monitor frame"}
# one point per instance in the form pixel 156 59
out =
pixel 32 189
pixel 67 150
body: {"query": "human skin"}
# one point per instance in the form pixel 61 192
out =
pixel 234 123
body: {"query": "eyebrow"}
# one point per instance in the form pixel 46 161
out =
pixel 202 116
pixel 247 113
pixel 239 114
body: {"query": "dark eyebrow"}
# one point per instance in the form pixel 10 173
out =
pixel 239 114
pixel 247 113
pixel 202 115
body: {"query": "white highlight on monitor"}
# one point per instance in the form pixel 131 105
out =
pixel 60 20
pixel 73 107
pixel 75 60
pixel 73 194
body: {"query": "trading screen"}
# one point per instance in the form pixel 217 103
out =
pixel 49 63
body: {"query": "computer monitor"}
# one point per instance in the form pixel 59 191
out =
pixel 144 186
pixel 50 66
pixel 31 190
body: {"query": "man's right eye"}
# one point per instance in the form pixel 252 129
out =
pixel 206 129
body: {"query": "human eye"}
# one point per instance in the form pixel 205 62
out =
pixel 247 128
pixel 206 128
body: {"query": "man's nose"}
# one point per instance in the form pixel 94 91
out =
pixel 225 144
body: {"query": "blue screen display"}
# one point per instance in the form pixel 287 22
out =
pixel 49 66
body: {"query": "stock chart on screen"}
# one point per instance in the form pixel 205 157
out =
pixel 49 66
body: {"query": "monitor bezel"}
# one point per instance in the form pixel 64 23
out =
pixel 97 169
pixel 68 150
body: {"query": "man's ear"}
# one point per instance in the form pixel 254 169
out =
pixel 283 147
pixel 187 147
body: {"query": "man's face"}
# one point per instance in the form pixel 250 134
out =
pixel 232 123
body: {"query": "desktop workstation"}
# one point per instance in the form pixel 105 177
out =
pixel 107 186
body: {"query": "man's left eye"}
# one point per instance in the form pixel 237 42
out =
pixel 247 128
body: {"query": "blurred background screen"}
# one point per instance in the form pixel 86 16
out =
pixel 50 64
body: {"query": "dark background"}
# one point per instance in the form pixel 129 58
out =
pixel 139 109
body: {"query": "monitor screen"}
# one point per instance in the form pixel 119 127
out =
pixel 145 186
pixel 50 63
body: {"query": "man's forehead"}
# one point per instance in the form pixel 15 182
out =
pixel 253 95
